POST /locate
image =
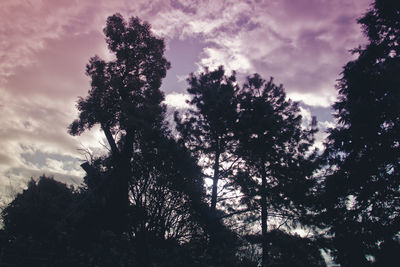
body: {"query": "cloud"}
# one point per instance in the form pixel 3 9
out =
pixel 305 116
pixel 45 44
pixel 303 44
pixel 324 99
pixel 215 56
pixel 177 100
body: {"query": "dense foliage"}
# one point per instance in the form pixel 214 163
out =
pixel 362 194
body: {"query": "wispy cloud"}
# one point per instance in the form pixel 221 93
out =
pixel 45 44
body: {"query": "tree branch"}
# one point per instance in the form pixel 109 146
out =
pixel 110 139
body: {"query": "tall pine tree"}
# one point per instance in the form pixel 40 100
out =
pixel 279 161
pixel 361 196
pixel 207 127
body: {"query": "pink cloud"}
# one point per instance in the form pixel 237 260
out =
pixel 45 44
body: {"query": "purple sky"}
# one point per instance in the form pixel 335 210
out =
pixel 45 45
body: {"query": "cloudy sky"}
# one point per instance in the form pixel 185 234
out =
pixel 45 45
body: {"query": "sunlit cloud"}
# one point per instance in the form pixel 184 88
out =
pixel 177 100
pixel 323 99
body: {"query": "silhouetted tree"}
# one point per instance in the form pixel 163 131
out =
pixel 206 130
pixel 290 250
pixel 207 127
pixel 166 200
pixel 279 162
pixel 361 196
pixel 49 224
pixel 35 224
pixel 125 101
pixel 148 188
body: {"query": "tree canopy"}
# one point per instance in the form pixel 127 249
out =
pixel 363 150
pixel 276 150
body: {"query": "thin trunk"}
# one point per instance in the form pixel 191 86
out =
pixel 213 216
pixel 215 184
pixel 264 218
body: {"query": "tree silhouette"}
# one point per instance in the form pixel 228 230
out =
pixel 149 187
pixel 275 147
pixel 290 250
pixel 362 191
pixel 207 128
pixel 35 226
pixel 166 200
pixel 125 101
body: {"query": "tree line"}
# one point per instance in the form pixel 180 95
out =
pixel 233 179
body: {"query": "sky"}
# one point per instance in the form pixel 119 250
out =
pixel 45 45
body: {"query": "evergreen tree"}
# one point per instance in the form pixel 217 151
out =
pixel 361 197
pixel 206 130
pixel 207 127
pixel 279 162
pixel 125 100
pixel 148 188
pixel 36 229
pixel 290 250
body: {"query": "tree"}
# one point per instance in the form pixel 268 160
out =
pixel 35 224
pixel 361 197
pixel 207 127
pixel 207 131
pixel 166 201
pixel 279 162
pixel 125 101
pixel 50 224
pixel 290 249
pixel 148 189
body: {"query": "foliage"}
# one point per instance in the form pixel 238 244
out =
pixel 35 223
pixel 362 191
pixel 290 249
pixel 125 101
pixel 277 174
pixel 207 127
pixel 125 92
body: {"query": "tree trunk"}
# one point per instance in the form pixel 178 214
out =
pixel 119 191
pixel 120 196
pixel 264 218
pixel 110 139
pixel 213 221
pixel 122 177
pixel 215 184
